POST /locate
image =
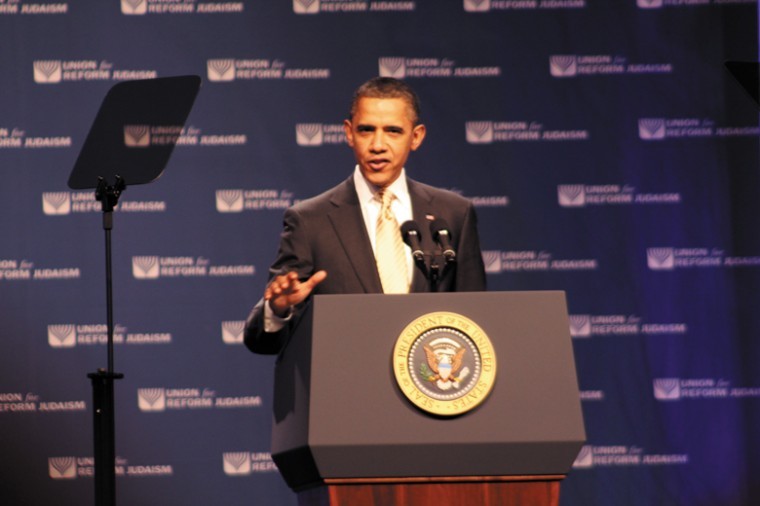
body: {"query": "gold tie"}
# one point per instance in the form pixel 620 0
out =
pixel 390 253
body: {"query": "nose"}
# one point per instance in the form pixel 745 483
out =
pixel 377 144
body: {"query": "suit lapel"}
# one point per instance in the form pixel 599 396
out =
pixel 348 222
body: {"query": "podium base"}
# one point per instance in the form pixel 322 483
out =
pixel 454 491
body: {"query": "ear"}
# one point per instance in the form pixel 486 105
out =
pixel 349 131
pixel 418 135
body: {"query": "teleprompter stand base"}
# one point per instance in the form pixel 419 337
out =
pixel 438 491
pixel 103 425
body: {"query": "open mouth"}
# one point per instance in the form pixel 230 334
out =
pixel 378 164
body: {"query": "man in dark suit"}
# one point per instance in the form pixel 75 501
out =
pixel 330 245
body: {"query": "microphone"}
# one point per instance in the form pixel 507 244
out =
pixel 411 234
pixel 440 232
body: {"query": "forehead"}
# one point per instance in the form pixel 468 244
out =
pixel 383 111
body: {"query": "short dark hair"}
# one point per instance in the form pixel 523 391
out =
pixel 387 87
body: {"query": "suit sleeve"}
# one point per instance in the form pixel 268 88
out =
pixel 294 255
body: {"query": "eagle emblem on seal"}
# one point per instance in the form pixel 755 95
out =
pixel 443 365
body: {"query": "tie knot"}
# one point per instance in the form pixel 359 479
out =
pixel 386 197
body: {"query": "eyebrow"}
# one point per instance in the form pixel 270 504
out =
pixel 393 128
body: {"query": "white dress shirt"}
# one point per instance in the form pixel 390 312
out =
pixel 401 207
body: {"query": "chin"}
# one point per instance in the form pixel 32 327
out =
pixel 380 182
pixel 377 178
pixel 383 178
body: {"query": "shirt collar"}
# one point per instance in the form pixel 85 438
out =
pixel 366 190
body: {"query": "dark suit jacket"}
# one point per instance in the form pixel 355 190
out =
pixel 328 232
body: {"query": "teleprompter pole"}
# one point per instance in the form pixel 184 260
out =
pixel 103 379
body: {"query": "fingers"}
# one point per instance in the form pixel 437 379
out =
pixel 287 289
pixel 281 284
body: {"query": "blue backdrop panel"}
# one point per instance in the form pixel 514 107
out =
pixel 607 150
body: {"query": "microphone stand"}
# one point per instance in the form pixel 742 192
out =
pixel 436 273
pixel 434 277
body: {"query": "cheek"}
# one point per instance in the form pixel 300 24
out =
pixel 404 146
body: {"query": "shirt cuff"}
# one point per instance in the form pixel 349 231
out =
pixel 272 322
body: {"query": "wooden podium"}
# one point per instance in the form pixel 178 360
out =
pixel 475 490
pixel 345 434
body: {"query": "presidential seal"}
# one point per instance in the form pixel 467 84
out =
pixel 444 363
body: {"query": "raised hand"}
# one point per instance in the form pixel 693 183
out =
pixel 286 290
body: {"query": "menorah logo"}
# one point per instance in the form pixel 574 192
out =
pixel 563 65
pixel 306 6
pixel 221 69
pixel 661 259
pixel 62 336
pixel 309 134
pixel 571 195
pixel 136 136
pixel 580 325
pixel 47 71
pixel 492 261
pixel 392 67
pixel 132 7
pixel 56 203
pixel 651 129
pixel 62 468
pixel 479 132
pixel 229 201
pixel 232 332
pixel 151 399
pixel 649 4
pixel 585 457
pixel 477 5
pixel 667 389
pixel 237 463
pixel 145 267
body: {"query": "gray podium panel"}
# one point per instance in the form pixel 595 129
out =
pixel 340 414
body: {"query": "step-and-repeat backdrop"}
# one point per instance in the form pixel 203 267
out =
pixel 606 148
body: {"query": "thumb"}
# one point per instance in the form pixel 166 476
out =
pixel 315 279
